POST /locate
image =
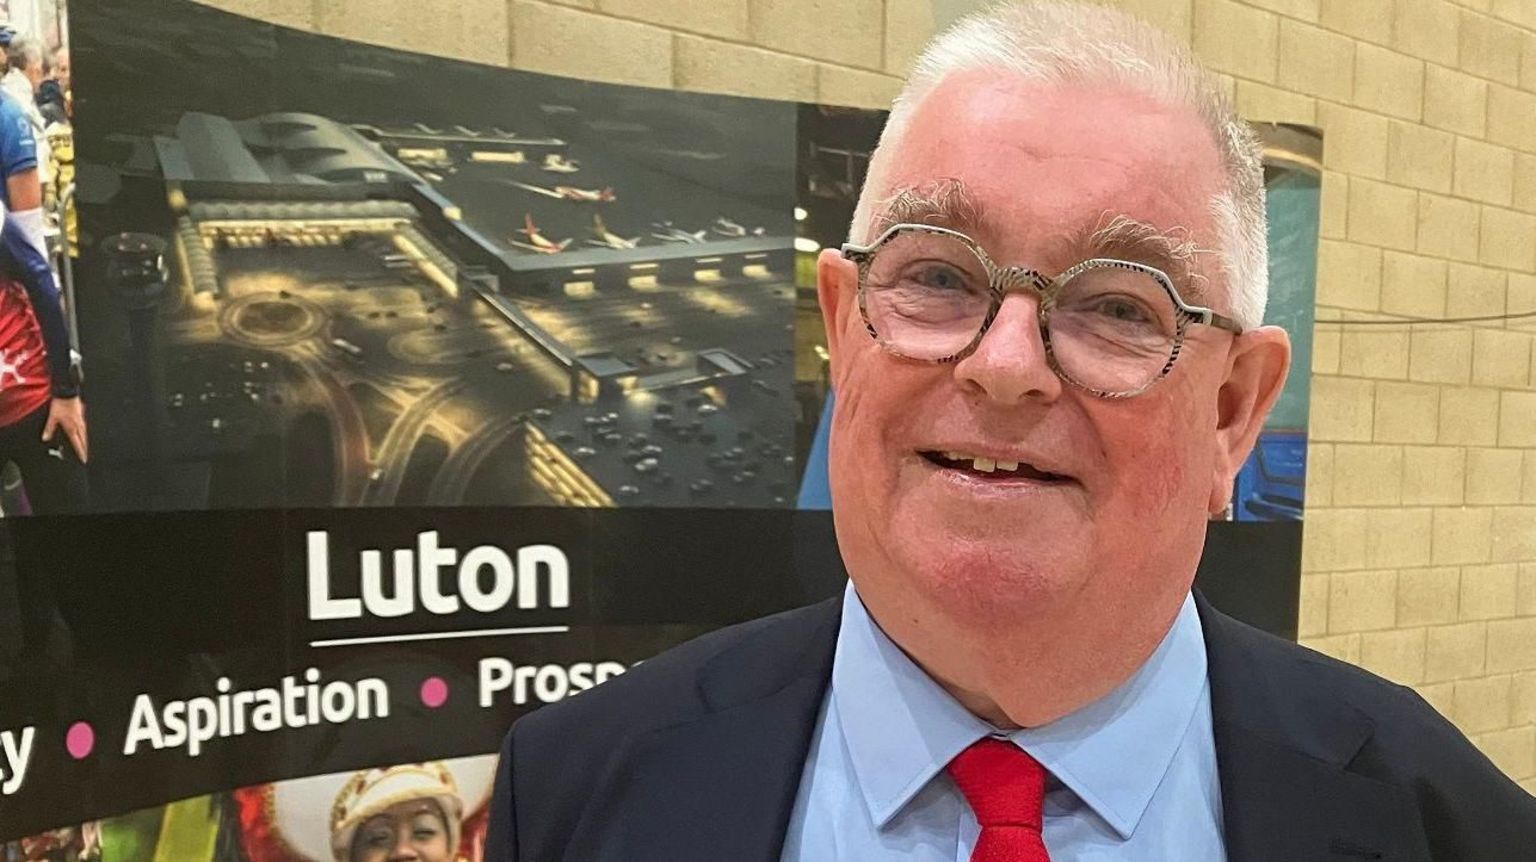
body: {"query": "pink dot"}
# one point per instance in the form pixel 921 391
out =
pixel 80 740
pixel 434 692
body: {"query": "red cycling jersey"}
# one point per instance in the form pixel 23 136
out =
pixel 24 380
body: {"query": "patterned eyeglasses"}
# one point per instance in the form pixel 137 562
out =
pixel 1111 327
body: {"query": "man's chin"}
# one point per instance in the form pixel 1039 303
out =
pixel 999 522
pixel 994 578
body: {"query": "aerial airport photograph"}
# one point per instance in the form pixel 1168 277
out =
pixel 425 283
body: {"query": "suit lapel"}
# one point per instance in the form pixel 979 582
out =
pixel 722 785
pixel 1283 751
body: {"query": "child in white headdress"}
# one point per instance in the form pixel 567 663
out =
pixel 413 811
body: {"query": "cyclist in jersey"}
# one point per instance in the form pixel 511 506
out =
pixel 42 419
pixel 22 173
pixel 42 432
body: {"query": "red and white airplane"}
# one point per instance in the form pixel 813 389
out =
pixel 537 242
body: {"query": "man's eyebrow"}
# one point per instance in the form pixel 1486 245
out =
pixel 946 203
pixel 1172 250
pixel 942 202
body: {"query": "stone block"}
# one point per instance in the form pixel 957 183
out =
pixel 1406 413
pixel 1455 101
pixel 1434 476
pixel 1237 39
pixel 1428 596
pixel 1469 416
pixel 711 66
pixel 1487 592
pixel 562 41
pixel 1462 536
pixel 1455 652
pixel 1440 354
pixel 1342 409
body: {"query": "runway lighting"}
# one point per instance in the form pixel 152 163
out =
pixel 801 214
pixel 807 245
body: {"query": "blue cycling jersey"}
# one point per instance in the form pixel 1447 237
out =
pixel 18 146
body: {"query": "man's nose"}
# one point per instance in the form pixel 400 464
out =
pixel 1009 365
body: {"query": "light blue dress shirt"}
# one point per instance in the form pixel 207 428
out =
pixel 1132 775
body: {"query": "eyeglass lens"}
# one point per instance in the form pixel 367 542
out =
pixel 1111 328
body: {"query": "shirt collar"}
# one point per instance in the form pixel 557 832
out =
pixel 901 728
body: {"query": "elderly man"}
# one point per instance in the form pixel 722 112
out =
pixel 25 73
pixel 1047 346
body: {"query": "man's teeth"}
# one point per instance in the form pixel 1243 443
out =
pixel 982 465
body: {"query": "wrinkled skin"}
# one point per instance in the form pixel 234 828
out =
pixel 1025 599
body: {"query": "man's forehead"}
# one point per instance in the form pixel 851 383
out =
pixel 1055 157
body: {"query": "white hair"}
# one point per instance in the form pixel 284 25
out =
pixel 1070 42
pixel 25 52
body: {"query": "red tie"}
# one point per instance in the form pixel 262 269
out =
pixel 1006 789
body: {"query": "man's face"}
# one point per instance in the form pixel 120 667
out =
pixel 1122 524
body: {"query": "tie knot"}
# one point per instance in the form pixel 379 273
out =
pixel 1002 783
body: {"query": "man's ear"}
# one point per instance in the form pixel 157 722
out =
pixel 1256 369
pixel 837 290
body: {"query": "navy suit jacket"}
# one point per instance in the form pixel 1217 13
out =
pixel 697 753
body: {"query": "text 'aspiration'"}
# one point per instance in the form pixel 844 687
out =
pixel 199 720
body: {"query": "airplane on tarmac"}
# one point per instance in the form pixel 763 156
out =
pixel 669 233
pixel 569 193
pixel 556 163
pixel 726 227
pixel 537 242
pixel 607 238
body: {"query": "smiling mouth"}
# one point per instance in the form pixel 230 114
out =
pixel 992 469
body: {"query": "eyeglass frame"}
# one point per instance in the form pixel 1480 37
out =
pixel 1003 280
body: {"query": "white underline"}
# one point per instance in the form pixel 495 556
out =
pixel 442 636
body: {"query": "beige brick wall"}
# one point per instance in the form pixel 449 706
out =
pixel 1420 544
pixel 768 48
pixel 1419 557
